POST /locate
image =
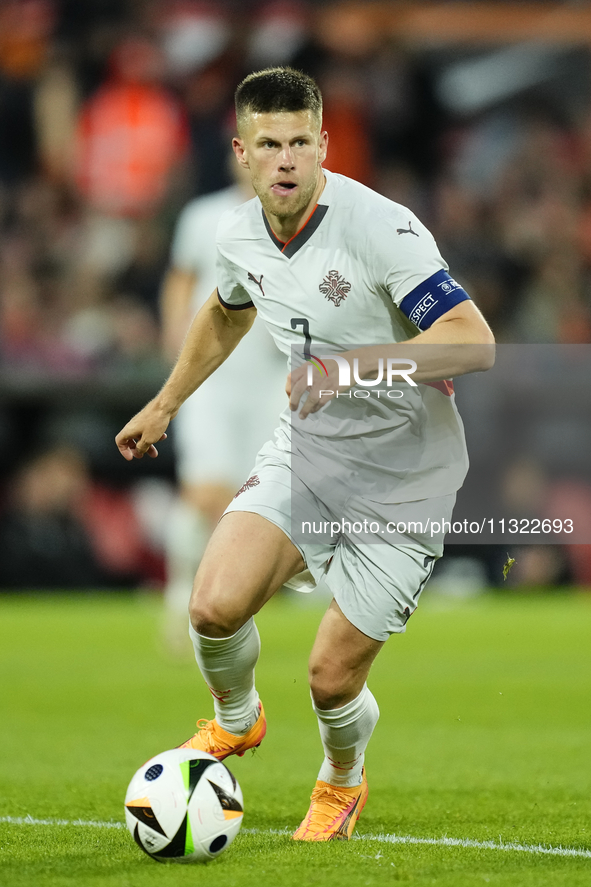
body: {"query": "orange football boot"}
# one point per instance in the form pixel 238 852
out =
pixel 333 812
pixel 216 741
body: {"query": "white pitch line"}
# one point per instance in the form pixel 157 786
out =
pixel 479 845
pixel 450 842
pixel 468 843
pixel 28 820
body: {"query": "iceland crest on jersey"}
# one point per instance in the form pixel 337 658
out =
pixel 335 287
pixel 248 485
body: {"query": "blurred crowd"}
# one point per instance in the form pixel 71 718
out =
pixel 113 113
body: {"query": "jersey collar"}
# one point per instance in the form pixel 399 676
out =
pixel 290 247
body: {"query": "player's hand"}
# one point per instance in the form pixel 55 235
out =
pixel 322 390
pixel 141 433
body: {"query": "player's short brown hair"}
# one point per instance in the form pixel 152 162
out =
pixel 277 89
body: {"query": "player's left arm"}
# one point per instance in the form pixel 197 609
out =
pixel 408 264
pixel 461 342
pixel 465 344
pixel 461 325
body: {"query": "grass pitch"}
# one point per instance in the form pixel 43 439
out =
pixel 485 735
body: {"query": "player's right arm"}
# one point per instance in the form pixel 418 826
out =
pixel 213 335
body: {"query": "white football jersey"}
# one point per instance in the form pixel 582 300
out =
pixel 194 249
pixel 361 271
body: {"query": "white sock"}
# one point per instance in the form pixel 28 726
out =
pixel 345 733
pixel 186 537
pixel 227 665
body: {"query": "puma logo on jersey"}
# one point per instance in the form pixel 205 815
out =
pixel 335 287
pixel 407 230
pixel 259 283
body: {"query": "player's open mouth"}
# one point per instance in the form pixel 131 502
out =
pixel 283 187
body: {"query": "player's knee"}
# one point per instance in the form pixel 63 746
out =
pixel 212 621
pixel 330 687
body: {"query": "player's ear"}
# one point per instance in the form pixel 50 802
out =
pixel 323 146
pixel 240 152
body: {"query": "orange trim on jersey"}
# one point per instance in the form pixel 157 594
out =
pixel 446 386
pixel 287 242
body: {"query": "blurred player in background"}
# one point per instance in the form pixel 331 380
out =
pixel 220 429
pixel 321 258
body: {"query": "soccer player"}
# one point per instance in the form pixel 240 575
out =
pixel 322 259
pixel 221 427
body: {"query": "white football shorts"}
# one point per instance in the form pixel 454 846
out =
pixel 377 584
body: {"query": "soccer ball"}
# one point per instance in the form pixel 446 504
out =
pixel 183 806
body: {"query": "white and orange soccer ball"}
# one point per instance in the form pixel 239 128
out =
pixel 183 806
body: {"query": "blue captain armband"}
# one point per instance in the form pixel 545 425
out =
pixel 432 298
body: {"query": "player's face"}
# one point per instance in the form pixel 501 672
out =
pixel 284 152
